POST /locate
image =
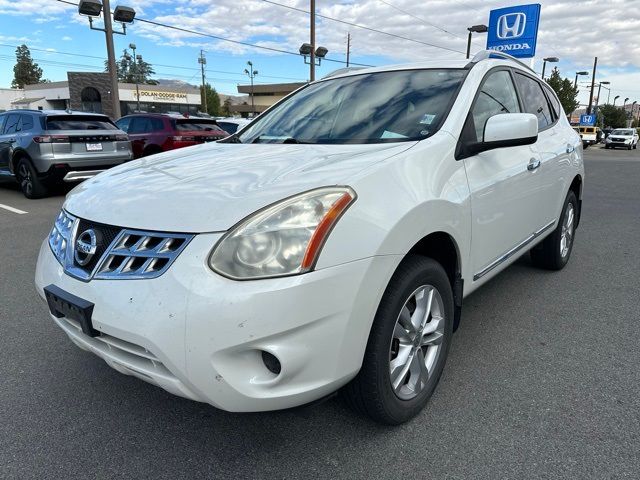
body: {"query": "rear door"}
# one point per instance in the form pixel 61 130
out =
pixel 554 147
pixel 504 192
pixel 139 129
pixel 8 138
pixel 199 129
pixel 4 155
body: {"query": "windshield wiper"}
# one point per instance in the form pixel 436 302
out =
pixel 286 140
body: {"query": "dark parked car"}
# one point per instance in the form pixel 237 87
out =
pixel 152 133
pixel 42 148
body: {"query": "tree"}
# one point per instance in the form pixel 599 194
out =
pixel 612 116
pixel 25 71
pixel 226 108
pixel 130 69
pixel 213 100
pixel 567 94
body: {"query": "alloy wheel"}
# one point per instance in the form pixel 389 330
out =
pixel 416 342
pixel 566 237
pixel 26 182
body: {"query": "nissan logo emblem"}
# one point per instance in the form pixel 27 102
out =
pixel 86 247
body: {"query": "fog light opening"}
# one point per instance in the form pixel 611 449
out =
pixel 271 362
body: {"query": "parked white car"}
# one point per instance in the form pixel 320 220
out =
pixel 622 137
pixel 328 246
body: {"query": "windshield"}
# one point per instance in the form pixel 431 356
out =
pixel 622 132
pixel 368 108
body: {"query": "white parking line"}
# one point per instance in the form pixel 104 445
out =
pixel 11 209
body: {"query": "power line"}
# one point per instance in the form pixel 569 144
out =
pixel 223 39
pixel 179 67
pixel 364 27
pixel 424 21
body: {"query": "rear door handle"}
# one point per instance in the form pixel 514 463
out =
pixel 533 164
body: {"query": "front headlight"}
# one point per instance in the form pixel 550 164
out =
pixel 283 239
pixel 60 235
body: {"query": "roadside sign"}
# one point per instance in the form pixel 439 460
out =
pixel 514 30
pixel 587 120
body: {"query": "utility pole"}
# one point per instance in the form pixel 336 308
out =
pixel 312 41
pixel 348 47
pixel 111 60
pixel 593 83
pixel 203 61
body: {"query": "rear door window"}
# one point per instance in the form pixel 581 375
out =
pixel 139 125
pixel 27 122
pixel 534 100
pixel 3 118
pixel 79 122
pixel 13 124
pixel 555 104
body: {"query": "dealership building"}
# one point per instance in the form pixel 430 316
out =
pixel 91 92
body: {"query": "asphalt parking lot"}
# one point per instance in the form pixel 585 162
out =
pixel 542 380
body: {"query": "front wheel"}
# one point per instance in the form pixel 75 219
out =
pixel 554 251
pixel 408 344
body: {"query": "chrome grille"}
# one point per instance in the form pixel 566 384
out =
pixel 136 254
pixel 122 253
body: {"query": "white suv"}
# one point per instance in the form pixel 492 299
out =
pixel 328 245
pixel 622 137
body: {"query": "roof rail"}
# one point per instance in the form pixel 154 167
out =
pixel 486 54
pixel 340 71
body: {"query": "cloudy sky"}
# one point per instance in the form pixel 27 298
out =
pixel 575 31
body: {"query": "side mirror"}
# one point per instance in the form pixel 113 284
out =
pixel 506 130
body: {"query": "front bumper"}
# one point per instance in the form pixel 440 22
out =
pixel 201 336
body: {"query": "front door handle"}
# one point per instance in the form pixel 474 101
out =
pixel 570 148
pixel 533 164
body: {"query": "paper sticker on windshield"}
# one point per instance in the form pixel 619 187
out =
pixel 427 119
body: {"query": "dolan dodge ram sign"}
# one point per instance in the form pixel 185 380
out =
pixel 514 30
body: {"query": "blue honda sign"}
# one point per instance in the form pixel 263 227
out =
pixel 514 30
pixel 588 120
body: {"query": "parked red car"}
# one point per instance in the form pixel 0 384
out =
pixel 158 132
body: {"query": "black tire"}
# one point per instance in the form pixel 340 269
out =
pixel 629 147
pixel 549 254
pixel 606 147
pixel 27 177
pixel 371 391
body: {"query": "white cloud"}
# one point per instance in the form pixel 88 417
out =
pixel 66 38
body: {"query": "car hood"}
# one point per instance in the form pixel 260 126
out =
pixel 211 187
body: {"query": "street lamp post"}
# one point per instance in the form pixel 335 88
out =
pixel 575 82
pixel 550 60
pixel 614 99
pixel 136 59
pixel 599 87
pixel 476 29
pixel 122 15
pixel 252 74
pixel 624 105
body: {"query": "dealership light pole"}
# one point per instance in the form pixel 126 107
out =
pixel 550 60
pixel 312 40
pixel 575 82
pixel 476 29
pixel 137 59
pixel 252 74
pixel 593 83
pixel 598 97
pixel 122 15
pixel 614 99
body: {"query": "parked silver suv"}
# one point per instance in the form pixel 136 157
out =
pixel 43 148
